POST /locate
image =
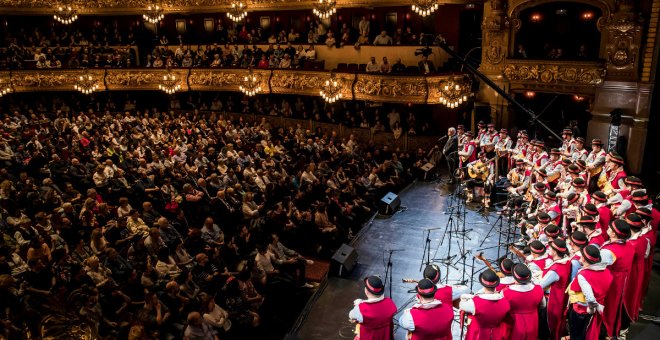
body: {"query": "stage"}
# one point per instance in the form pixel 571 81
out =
pixel 425 205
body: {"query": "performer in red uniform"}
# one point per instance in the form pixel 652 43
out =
pixel 487 308
pixel 525 299
pixel 632 294
pixel 447 294
pixel 605 214
pixel 555 281
pixel 587 225
pixel 429 318
pixel 586 294
pixel 576 241
pixel 374 315
pixel 617 254
pixel 646 214
pixel 468 153
pixel 506 268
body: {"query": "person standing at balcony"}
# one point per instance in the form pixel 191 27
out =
pixel 383 39
pixel 426 66
pixel 364 26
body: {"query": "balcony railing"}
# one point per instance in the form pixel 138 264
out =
pixel 369 87
pixel 555 72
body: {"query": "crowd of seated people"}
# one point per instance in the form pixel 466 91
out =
pixel 150 224
pixel 108 44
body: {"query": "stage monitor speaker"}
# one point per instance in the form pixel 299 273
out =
pixel 389 203
pixel 343 261
pixel 426 168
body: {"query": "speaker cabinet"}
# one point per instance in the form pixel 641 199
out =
pixel 343 261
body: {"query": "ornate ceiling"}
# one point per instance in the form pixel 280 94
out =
pixel 183 6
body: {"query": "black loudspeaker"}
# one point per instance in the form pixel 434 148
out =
pixel 343 261
pixel 389 204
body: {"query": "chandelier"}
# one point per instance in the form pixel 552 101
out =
pixel 153 14
pixel 251 84
pixel 331 91
pixel 86 83
pixel 325 8
pixel 170 84
pixel 237 11
pixel 66 15
pixel 5 88
pixel 424 7
pixel 454 92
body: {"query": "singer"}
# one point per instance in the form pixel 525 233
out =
pixel 450 151
pixel 373 315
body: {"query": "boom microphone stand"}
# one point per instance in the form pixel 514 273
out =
pixel 388 270
pixel 426 253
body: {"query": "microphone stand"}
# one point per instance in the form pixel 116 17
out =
pixel 426 253
pixel 388 270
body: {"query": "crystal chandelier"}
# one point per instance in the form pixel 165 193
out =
pixel 153 14
pixel 325 8
pixel 454 92
pixel 86 83
pixel 424 7
pixel 331 91
pixel 251 84
pixel 237 11
pixel 5 87
pixel 170 84
pixel 65 15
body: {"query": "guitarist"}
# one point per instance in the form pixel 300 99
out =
pixel 374 315
pixel 595 161
pixel 447 294
pixel 469 151
pixel 484 182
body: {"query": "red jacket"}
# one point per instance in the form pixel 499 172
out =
pixel 377 320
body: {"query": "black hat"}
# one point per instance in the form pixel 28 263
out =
pixel 543 217
pixel 426 288
pixel 639 195
pixel 599 196
pixel 579 238
pixel 591 254
pixel 538 186
pixel 374 285
pixel 566 161
pixel 645 213
pixel 537 247
pixel 506 266
pixel 621 228
pixel 567 131
pixel 521 273
pixel 572 197
pixel 550 195
pixel 632 180
pixel 559 246
pixel 590 209
pixel 635 221
pixel 579 182
pixel 552 230
pixel 573 168
pixel 489 279
pixel 597 141
pixel 432 272
pixel 587 220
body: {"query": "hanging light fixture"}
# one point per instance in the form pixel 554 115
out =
pixel 65 14
pixel 454 92
pixel 424 7
pixel 5 87
pixel 237 11
pixel 331 91
pixel 86 83
pixel 153 14
pixel 170 83
pixel 251 84
pixel 325 8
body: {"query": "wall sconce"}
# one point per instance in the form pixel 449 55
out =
pixel 530 94
pixel 536 17
pixel 587 16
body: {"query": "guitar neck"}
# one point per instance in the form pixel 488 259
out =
pixel 517 252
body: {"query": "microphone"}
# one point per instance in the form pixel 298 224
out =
pixel 442 138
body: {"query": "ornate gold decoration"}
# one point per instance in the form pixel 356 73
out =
pixel 251 84
pixel 494 53
pixel 171 84
pixel 580 73
pixel 153 14
pixel 391 89
pixel 454 91
pixel 118 79
pixel 5 86
pixel 65 14
pixel 297 82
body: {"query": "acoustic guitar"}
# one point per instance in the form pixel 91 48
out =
pixel 480 170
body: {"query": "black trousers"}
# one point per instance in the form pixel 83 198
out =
pixel 578 324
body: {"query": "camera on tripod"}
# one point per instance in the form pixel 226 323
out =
pixel 426 51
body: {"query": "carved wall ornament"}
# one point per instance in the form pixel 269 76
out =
pixel 397 89
pixel 624 37
pixel 557 73
pixel 494 53
pixel 307 82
